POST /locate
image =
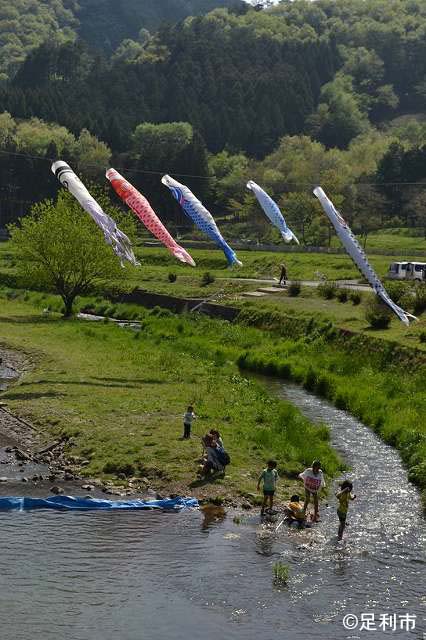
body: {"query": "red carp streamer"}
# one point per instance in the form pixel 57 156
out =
pixel 141 207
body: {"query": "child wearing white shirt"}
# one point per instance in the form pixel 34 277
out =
pixel 188 418
pixel 313 479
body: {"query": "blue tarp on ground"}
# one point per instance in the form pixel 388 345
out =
pixel 70 503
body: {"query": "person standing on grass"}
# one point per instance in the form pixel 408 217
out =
pixel 344 496
pixel 269 477
pixel 188 419
pixel 313 479
pixel 283 275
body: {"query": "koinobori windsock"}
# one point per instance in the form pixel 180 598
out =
pixel 141 207
pixel 199 214
pixel 272 211
pixel 355 251
pixel 113 236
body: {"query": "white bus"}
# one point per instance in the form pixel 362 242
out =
pixel 407 271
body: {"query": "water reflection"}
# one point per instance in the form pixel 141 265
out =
pixel 124 576
pixel 212 515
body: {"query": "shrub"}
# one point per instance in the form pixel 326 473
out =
pixel 294 289
pixel 324 386
pixel 377 314
pixel 342 295
pixel 355 297
pixel 12 294
pixel 281 573
pixel 172 277
pixel 327 289
pixel 160 312
pixel 284 370
pixel 207 279
pixel 419 301
pixel 119 466
pixel 397 290
pixel 310 382
pixel 341 402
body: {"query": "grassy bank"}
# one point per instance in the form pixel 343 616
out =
pixel 157 264
pixel 309 305
pixel 372 374
pixel 376 379
pixel 379 382
pixel 120 395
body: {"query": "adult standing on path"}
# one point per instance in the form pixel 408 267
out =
pixel 283 275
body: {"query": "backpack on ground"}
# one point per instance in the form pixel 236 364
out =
pixel 223 456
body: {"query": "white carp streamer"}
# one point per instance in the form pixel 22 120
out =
pixel 272 211
pixel 201 217
pixel 355 251
pixel 118 240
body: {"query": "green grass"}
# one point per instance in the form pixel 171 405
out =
pixel 281 573
pixel 343 315
pixel 397 241
pixel 377 382
pixel 297 340
pixel 157 263
pixel 121 396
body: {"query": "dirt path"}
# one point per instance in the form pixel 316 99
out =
pixel 14 432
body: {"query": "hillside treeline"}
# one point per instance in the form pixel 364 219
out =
pixel 330 92
pixel 242 78
pixel 103 24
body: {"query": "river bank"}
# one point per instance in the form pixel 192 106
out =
pixel 194 360
pixel 116 398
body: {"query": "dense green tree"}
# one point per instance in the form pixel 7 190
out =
pixel 339 117
pixel 106 23
pixel 91 156
pixel 172 147
pixel 26 24
pixel 60 249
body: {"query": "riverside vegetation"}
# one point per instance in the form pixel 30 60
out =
pixel 161 273
pixel 378 381
pixel 120 396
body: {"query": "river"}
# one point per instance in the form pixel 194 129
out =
pixel 131 576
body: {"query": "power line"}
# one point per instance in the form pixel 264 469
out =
pixel 188 175
pixel 95 166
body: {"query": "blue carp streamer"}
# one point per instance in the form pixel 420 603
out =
pixel 272 211
pixel 201 217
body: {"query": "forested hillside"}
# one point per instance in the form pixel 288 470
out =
pixel 242 79
pixel 25 24
pixel 103 24
pixel 106 23
pixel 299 93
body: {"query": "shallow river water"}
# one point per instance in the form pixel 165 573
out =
pixel 131 576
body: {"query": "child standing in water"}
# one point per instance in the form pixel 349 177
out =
pixel 343 496
pixel 188 418
pixel 313 479
pixel 269 477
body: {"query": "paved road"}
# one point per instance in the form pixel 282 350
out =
pixel 273 282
